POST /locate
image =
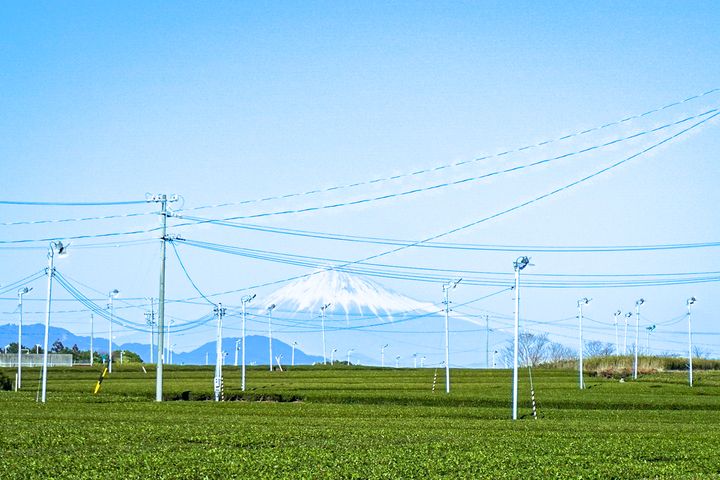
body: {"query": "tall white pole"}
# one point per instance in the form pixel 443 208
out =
pixel 219 312
pixel 161 299
pixel 292 363
pixel 637 336
pixel 110 346
pixel 92 335
pixel 50 275
pixel 627 320
pixel 242 368
pixel 348 356
pixel 689 302
pixel 414 360
pixel 617 342
pixel 447 340
pixel 580 303
pixel 518 265
pixel 269 317
pixel 332 356
pixel 446 289
pixel 322 323
pixel 21 292
pixel 487 341
pixel 382 354
pixel 245 300
pixel 516 344
pixel 237 349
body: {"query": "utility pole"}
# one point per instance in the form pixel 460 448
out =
pixel 322 321
pixel 348 356
pixel 111 298
pixel 414 360
pixel 21 292
pixel 580 303
pixel 92 334
pixel 446 289
pixel 269 317
pixel 292 363
pixel 627 319
pixel 637 336
pixel 382 354
pixel 487 341
pixel 518 265
pixel 219 313
pixel 61 251
pixel 617 342
pixel 689 302
pixel 245 300
pixel 162 199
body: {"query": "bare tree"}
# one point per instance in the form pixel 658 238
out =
pixel 596 348
pixel 558 352
pixel 533 349
pixel 699 352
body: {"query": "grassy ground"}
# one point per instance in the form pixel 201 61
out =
pixel 339 422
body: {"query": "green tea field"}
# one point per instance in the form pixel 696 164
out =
pixel 340 422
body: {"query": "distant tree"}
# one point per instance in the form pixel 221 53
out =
pixel 128 356
pixel 558 352
pixel 75 349
pixel 57 347
pixel 699 352
pixel 532 349
pixel 596 348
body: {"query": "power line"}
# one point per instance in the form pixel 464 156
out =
pixel 71 204
pixel 465 162
pixel 462 181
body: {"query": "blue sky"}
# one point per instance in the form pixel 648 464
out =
pixel 225 102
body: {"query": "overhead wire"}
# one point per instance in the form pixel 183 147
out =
pixel 465 162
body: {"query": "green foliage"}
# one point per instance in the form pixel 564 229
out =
pixel 5 382
pixel 360 422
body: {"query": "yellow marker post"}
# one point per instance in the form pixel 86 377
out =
pixel 100 380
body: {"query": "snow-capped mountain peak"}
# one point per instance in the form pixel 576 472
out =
pixel 347 294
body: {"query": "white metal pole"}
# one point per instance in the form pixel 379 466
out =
pixel 397 361
pixel 92 335
pixel 422 361
pixel 382 355
pixel 617 342
pixel 245 300
pixel 21 292
pixel 637 336
pixel 242 368
pixel 332 356
pixel 322 322
pixel 237 349
pixel 580 303
pixel 516 344
pixel 292 362
pixel 446 288
pixel 110 346
pixel 487 341
pixel 348 356
pixel 414 360
pixel 219 311
pixel 161 300
pixel 50 275
pixel 269 317
pixel 689 302
pixel 627 319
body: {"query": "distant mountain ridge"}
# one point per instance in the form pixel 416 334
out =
pixel 257 346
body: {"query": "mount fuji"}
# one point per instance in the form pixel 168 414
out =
pixel 348 295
